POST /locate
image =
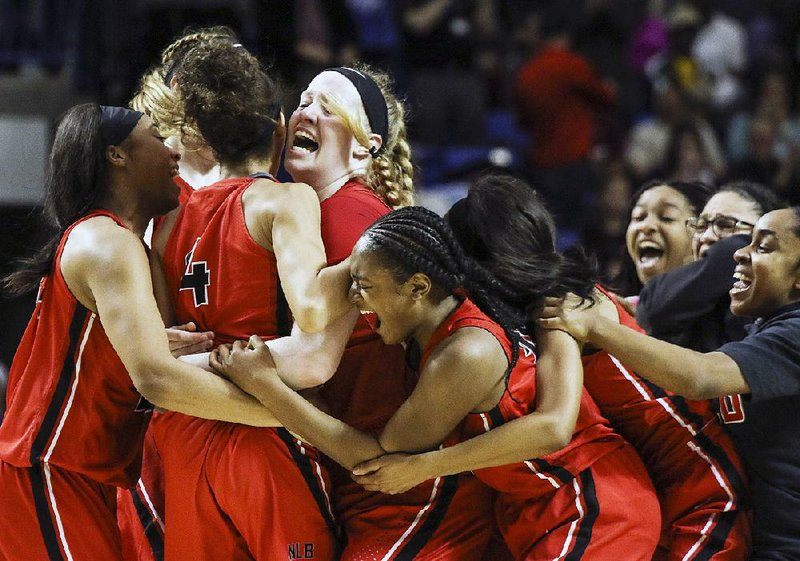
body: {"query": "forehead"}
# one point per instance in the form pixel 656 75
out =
pixel 142 126
pixel 783 222
pixel 661 196
pixel 726 202
pixel 334 85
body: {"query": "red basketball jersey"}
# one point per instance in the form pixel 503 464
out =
pixel 691 460
pixel 218 275
pixel 70 401
pixel 593 437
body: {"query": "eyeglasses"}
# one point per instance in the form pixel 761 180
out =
pixel 721 226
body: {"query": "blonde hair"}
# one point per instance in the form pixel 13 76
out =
pixel 390 174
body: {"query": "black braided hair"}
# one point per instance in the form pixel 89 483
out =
pixel 415 239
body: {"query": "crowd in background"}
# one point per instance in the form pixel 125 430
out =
pixel 587 99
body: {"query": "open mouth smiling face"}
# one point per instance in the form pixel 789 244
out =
pixel 304 141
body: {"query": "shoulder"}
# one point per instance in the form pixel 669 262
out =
pixel 467 351
pixel 101 242
pixel 356 199
pixel 269 195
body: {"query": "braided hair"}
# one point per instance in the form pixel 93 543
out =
pixel 415 239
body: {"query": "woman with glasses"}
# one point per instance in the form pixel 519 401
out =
pixel 757 379
pixel 689 305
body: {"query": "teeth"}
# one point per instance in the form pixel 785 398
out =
pixel 304 135
pixel 649 245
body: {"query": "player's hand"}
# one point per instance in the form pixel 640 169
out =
pixel 248 364
pixel 571 314
pixel 391 473
pixel 186 340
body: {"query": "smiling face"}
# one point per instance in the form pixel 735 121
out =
pixel 656 238
pixel 393 311
pixel 728 204
pixel 153 166
pixel 768 270
pixel 320 146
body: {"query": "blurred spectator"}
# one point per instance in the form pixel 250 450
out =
pixel 773 103
pixel 687 158
pixel 446 93
pixel 648 140
pixel 762 164
pixel 605 232
pixel 720 48
pixel 378 35
pixel 690 306
pixel 677 63
pixel 293 49
pixel 557 97
pixel 602 35
pixel 325 36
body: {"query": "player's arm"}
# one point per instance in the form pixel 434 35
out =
pixel 559 386
pixel 106 268
pixel 305 360
pixel 250 366
pixel 684 371
pixel 287 219
pixel 448 389
pixel 463 371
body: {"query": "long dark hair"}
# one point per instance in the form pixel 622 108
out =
pixel 77 176
pixel 505 226
pixel 415 239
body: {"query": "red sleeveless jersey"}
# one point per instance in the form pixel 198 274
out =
pixel 70 401
pixel 692 461
pixel 218 276
pixel 370 383
pixel 593 437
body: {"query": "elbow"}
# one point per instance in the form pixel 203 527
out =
pixel 312 317
pixel 314 375
pixel 557 435
pixel 153 386
pixel 700 387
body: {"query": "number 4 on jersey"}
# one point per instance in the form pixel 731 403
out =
pixel 196 278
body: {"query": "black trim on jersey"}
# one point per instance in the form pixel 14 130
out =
pixel 677 401
pixel 283 316
pixel 79 317
pixel 496 416
pixel 150 527
pixel 43 514
pixel 431 524
pixel 558 472
pixel 584 537
pixel 307 471
pixel 262 175
pixel 718 537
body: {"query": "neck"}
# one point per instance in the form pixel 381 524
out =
pixel 331 187
pixel 131 214
pixel 434 317
pixel 244 169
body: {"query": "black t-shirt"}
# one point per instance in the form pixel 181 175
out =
pixel 689 306
pixel 765 426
